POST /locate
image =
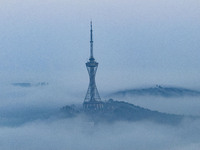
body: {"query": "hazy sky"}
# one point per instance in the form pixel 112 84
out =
pixel 136 42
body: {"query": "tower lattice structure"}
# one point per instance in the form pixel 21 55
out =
pixel 92 101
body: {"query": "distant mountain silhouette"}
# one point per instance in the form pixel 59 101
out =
pixel 123 111
pixel 157 91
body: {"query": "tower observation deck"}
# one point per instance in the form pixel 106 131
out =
pixel 92 101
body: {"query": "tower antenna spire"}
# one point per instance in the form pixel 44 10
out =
pixel 91 42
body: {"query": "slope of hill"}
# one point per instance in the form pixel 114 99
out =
pixel 122 111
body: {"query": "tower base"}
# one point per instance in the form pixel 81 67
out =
pixel 93 106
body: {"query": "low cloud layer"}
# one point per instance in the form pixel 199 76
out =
pixel 79 134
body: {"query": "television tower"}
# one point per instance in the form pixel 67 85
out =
pixel 92 101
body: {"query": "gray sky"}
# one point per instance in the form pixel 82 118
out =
pixel 136 42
